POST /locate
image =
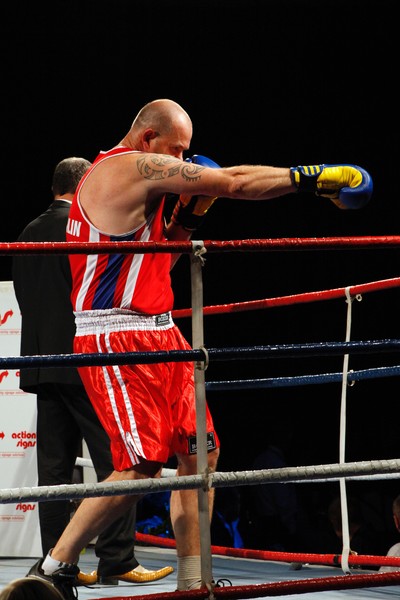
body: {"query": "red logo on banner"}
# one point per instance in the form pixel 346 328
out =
pixel 3 374
pixel 25 439
pixel 25 507
pixel 7 315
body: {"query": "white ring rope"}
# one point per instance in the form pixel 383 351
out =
pixel 87 462
pixel 327 472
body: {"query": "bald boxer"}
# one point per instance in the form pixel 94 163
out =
pixel 123 303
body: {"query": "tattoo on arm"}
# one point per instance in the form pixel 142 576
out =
pixel 161 166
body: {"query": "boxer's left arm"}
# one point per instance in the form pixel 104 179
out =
pixel 190 211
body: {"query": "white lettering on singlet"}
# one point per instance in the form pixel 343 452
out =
pixel 74 227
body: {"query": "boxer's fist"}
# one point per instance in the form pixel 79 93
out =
pixel 190 211
pixel 348 186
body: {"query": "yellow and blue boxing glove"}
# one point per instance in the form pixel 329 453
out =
pixel 348 186
pixel 190 211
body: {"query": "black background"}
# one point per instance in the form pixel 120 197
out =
pixel 280 82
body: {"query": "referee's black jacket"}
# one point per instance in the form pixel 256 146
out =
pixel 42 284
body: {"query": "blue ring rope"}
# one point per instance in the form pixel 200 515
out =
pixel 277 382
pixel 240 353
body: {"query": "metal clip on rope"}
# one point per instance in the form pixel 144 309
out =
pixel 202 365
pixel 199 250
pixel 350 381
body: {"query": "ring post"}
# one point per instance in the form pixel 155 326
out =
pixel 196 265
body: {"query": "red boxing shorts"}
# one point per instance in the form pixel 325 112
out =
pixel 148 410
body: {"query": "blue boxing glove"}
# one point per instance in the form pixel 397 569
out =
pixel 348 186
pixel 203 161
pixel 190 211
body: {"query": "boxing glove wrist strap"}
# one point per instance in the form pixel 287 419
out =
pixel 305 178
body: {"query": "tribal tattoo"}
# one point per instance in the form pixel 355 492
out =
pixel 155 166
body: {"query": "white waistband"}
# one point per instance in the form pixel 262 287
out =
pixel 92 322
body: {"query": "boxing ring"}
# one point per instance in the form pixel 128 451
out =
pixel 285 572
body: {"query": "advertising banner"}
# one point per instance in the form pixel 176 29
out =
pixel 19 522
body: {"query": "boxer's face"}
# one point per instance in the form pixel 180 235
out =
pixel 174 142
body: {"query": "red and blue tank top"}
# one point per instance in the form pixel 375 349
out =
pixel 139 282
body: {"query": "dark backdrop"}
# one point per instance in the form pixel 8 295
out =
pixel 281 82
